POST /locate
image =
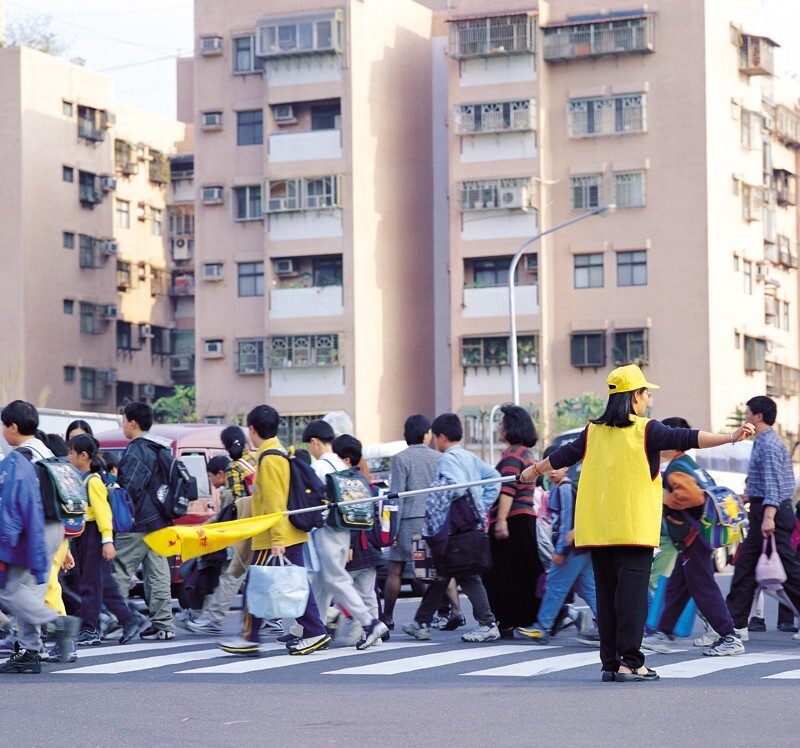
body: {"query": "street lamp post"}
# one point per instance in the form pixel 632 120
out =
pixel 603 210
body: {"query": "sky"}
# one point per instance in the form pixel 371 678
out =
pixel 137 42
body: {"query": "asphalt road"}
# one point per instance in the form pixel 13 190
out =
pixel 405 693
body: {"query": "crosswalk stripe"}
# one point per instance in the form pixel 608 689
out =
pixel 707 665
pixel 283 659
pixel 422 662
pixel 143 663
pixel 788 675
pixel 84 652
pixel 542 666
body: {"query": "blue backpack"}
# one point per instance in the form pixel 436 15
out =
pixel 122 512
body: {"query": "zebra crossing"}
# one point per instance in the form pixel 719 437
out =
pixel 193 657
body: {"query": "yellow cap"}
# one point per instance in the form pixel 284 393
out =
pixel 627 379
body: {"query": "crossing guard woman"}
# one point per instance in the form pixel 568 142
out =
pixel 618 511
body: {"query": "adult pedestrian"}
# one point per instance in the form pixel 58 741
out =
pixel 769 486
pixel 412 469
pixel 618 512
pixel 516 568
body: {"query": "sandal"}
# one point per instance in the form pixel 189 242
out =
pixel 628 677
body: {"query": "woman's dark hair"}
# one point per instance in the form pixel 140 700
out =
pixel 619 410
pixel 234 441
pixel 518 425
pixel 218 464
pixel 57 445
pixel 415 428
pixel 88 444
pixel 79 424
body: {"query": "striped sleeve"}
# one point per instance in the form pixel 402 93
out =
pixel 512 463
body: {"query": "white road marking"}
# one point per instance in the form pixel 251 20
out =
pixel 543 666
pixel 144 663
pixel 707 665
pixel 101 651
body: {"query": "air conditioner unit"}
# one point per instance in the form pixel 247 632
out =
pixel 211 194
pixel 283 112
pixel 108 247
pixel 109 377
pixel 212 271
pixel 532 262
pixel 141 151
pixel 762 270
pixel 512 197
pixel 181 250
pixel 108 311
pixel 147 390
pixel 145 331
pixel 284 267
pixel 181 364
pixel 211 45
pixel 212 348
pixel 212 120
pixel 108 184
pixel 107 119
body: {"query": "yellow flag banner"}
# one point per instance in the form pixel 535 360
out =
pixel 190 541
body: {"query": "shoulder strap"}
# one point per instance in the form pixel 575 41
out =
pixel 272 452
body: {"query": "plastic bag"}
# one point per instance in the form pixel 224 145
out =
pixel 277 590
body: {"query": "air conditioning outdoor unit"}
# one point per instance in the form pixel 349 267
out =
pixel 211 45
pixel 284 267
pixel 180 250
pixel 108 184
pixel 212 120
pixel 181 364
pixel 211 194
pixel 283 112
pixel 145 331
pixel 108 311
pixel 213 347
pixel 512 197
pixel 762 271
pixel 110 377
pixel 147 390
pixel 108 247
pixel 212 271
pixel 108 119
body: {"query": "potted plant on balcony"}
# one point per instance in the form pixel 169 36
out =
pixel 525 352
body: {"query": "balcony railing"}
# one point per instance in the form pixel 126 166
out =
pixel 787 125
pixel 756 55
pixel 182 285
pixel 615 115
pixel 501 116
pixel 492 36
pixel 601 37
pixel 499 194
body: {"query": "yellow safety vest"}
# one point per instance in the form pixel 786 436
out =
pixel 618 502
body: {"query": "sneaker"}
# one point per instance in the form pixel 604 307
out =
pixel 54 654
pixel 108 624
pixel 372 633
pixel 535 634
pixel 203 625
pixel 570 617
pixel 796 637
pixel 421 631
pixel 184 615
pixel 288 639
pixel 590 636
pixel 659 642
pixel 241 646
pixel 454 622
pixel 307 646
pixel 788 627
pixel 88 638
pixel 137 624
pixel 707 639
pixel 22 661
pixel 389 623
pixel 482 634
pixel 272 627
pixel 743 634
pixel 756 624
pixel 65 630
pixel 153 634
pixel 727 645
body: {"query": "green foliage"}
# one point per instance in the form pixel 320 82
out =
pixel 35 31
pixel 736 418
pixel 178 408
pixel 574 412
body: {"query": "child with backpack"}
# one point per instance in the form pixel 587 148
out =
pixel 241 470
pixel 95 551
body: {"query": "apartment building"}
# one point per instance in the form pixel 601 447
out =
pixel 672 112
pixel 87 316
pixel 313 215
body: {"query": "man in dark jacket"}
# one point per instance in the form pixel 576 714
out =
pixel 140 476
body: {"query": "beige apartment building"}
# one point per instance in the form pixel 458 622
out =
pixel 313 243
pixel 87 314
pixel 671 112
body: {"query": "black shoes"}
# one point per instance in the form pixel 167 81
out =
pixel 756 624
pixel 22 661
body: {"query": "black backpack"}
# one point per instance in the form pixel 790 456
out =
pixel 176 487
pixel 305 491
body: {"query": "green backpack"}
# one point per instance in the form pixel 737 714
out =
pixel 351 485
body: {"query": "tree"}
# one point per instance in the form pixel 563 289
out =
pixel 35 31
pixel 574 412
pixel 177 408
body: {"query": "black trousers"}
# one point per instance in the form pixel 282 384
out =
pixel 621 575
pixel 743 586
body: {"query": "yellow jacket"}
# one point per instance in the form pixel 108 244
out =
pixel 619 502
pixel 99 509
pixel 271 494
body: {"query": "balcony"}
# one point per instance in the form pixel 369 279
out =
pixel 492 35
pixel 518 194
pixel 787 126
pixel 495 117
pixel 599 36
pixel 300 35
pixel 313 301
pixel 182 285
pixel 756 55
pixel 305 146
pixel 615 115
pixel 492 301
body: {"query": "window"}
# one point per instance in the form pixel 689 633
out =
pixel 124 336
pixel 156 221
pixel 125 159
pixel 250 356
pixel 327 271
pixel 159 167
pixel 124 277
pixel 491 272
pixel 69 306
pixel 736 263
pixel 630 347
pixel 492 35
pixel 755 354
pixel 181 221
pixel 93 385
pixel 244 57
pixel 291 427
pixel 123 211
pixel 615 115
pixel 89 255
pixel 88 188
pixel 92 123
pixel 588 350
pixel 747 272
pixel 585 192
pixel 161 342
pixel 501 116
pixel 69 373
pixel 66 108
pixel 160 281
pixel 303 350
pixel 588 270
pixel 495 194
pixel 68 239
pixel 251 278
pixel 786 315
pixel 750 131
pixel 325 117
pixel 310 193
pixel 493 351
pixel 285 37
pixel 68 174
pixel 250 127
pixel 90 320
pixel 629 189
pixel 752 202
pixel 632 268
pixel 247 205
